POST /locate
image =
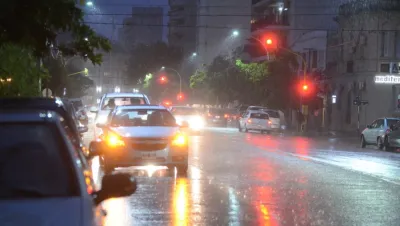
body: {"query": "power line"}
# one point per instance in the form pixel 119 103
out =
pixel 238 28
pixel 210 15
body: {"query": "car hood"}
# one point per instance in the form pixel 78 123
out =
pixel 41 212
pixel 146 131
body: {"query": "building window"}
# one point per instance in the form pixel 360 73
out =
pixel 397 44
pixel 385 68
pixel 350 66
pixel 385 44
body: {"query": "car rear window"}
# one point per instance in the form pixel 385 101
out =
pixel 259 116
pixel 392 121
pixel 121 101
pixel 272 114
pixel 143 117
pixel 34 163
pixel 217 111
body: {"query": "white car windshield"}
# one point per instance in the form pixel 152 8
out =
pixel 143 117
pixel 110 103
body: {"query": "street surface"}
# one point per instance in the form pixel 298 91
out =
pixel 256 179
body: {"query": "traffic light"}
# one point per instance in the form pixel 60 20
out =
pixel 163 79
pixel 270 41
pixel 180 96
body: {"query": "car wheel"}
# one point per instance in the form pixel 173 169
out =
pixel 379 143
pixel 363 143
pixel 182 170
pixel 386 145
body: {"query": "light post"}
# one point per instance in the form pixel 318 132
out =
pixel 117 89
pixel 98 89
pixel 180 78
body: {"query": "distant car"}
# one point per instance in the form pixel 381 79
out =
pixel 256 121
pixel 216 116
pixel 120 99
pixel 45 179
pixel 188 116
pixel 143 135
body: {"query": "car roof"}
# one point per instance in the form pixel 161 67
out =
pixel 28 115
pixel 124 95
pixel 142 106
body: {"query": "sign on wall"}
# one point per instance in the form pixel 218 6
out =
pixel 387 79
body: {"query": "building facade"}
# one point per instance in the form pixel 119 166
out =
pixel 144 26
pixel 366 65
pixel 216 21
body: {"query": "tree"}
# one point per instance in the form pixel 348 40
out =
pixel 78 86
pixel 19 75
pixel 39 25
pixel 149 58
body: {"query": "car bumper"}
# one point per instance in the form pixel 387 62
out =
pixel 122 157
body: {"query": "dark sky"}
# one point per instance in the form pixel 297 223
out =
pixel 118 7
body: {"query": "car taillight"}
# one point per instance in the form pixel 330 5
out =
pixel 113 140
pixel 179 140
pixel 209 115
pixel 226 115
pixel 248 120
pixel 269 122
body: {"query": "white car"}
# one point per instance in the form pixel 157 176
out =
pixel 143 135
pixel 255 120
pixel 274 116
pixel 188 116
pixel 375 133
pixel 45 179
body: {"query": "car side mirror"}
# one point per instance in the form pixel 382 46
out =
pixel 94 109
pixel 83 129
pixel 95 149
pixel 115 186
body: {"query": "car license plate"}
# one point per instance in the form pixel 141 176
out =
pixel 149 156
pixel 217 116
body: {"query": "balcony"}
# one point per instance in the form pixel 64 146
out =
pixel 270 21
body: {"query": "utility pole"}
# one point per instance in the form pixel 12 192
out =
pixel 358 102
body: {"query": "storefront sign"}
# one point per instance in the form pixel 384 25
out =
pixel 387 79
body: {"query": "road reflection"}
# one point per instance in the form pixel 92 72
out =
pixel 180 202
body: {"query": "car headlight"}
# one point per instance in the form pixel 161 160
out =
pixel 196 122
pixel 101 119
pixel 178 120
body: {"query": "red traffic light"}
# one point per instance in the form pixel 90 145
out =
pixel 167 103
pixel 268 41
pixel 163 79
pixel 305 87
pixel 180 96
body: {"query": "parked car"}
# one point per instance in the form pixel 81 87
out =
pixel 44 176
pixel 256 121
pixel 376 132
pixel 391 141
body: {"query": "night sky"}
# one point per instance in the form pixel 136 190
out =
pixel 118 7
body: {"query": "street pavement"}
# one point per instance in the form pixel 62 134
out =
pixel 257 179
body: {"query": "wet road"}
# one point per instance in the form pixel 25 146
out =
pixel 254 179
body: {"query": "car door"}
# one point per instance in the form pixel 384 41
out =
pixel 368 132
pixel 379 129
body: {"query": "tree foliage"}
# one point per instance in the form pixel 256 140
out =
pixel 19 74
pixel 266 83
pixel 145 58
pixel 40 25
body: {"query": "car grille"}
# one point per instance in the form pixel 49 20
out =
pixel 149 144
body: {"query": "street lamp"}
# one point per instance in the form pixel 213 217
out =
pixel 89 3
pixel 98 89
pixel 235 33
pixel 180 78
pixel 117 89
pixel 135 90
pixel 194 54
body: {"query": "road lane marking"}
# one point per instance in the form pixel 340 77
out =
pixel 348 167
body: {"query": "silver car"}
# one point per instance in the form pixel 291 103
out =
pixel 375 133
